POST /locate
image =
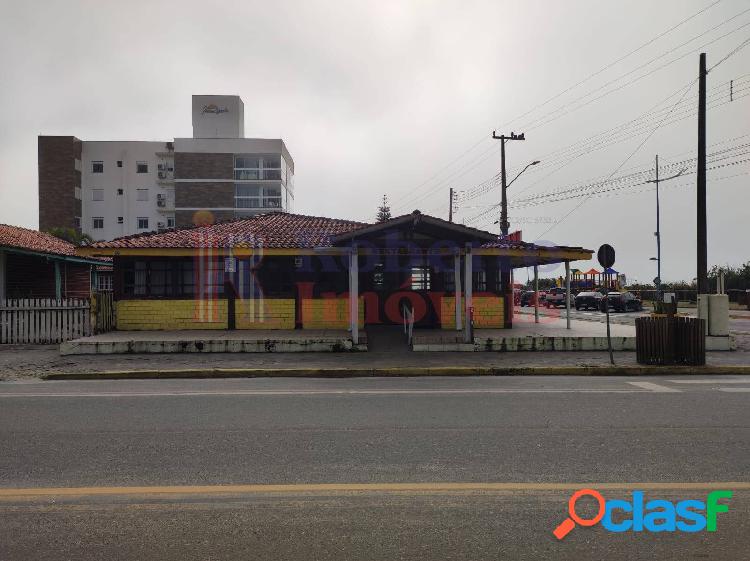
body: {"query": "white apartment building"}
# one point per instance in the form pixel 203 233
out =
pixel 109 189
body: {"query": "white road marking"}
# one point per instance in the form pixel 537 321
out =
pixel 734 390
pixel 656 388
pixel 713 381
pixel 318 392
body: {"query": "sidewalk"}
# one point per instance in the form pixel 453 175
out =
pixel 19 362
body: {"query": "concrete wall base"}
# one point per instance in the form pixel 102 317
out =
pixel 83 347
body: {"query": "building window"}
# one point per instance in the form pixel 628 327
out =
pixel 251 167
pixel 141 194
pixel 120 191
pixel 97 222
pixel 420 278
pixel 97 194
pixel 480 281
pixel 77 193
pixel 170 221
pixel 104 282
pixel 77 222
pixel 256 196
pixel 172 278
pixel 119 163
pixel 141 167
pixel 142 223
pixel 120 220
pixel 97 167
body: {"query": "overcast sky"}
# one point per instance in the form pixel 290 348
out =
pixel 401 98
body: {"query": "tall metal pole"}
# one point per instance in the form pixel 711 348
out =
pixel 702 257
pixel 450 207
pixel 658 236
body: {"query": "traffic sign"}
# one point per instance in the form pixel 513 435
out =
pixel 606 256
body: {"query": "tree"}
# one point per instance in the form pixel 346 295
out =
pixel 384 211
pixel 71 235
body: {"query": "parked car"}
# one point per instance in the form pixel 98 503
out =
pixel 527 298
pixel 586 300
pixel 556 297
pixel 621 302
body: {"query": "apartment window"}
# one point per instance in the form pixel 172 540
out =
pixel 120 191
pixel 97 194
pixel 141 167
pixel 120 220
pixel 119 163
pixel 141 194
pixel 77 222
pixel 256 196
pixel 97 167
pixel 170 221
pixel 142 223
pixel 97 222
pixel 251 167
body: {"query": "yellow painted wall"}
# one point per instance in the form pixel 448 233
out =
pixel 329 313
pixel 448 312
pixel 266 313
pixel 488 312
pixel 143 315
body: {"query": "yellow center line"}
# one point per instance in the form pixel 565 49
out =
pixel 11 493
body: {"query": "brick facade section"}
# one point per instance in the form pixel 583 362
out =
pixel 58 179
pixel 196 165
pixel 204 195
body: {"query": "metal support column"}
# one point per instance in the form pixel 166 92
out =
pixel 536 294
pixel 567 294
pixel 354 294
pixel 468 278
pixel 457 288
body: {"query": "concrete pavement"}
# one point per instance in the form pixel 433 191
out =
pixel 668 432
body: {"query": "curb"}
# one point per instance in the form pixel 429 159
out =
pixel 405 371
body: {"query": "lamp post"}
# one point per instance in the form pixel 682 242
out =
pixel 504 224
pixel 504 200
pixel 656 180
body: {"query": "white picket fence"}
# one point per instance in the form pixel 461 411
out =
pixel 44 320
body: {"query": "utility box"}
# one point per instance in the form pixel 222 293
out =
pixel 714 308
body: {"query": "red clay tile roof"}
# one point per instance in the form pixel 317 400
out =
pixel 33 240
pixel 271 230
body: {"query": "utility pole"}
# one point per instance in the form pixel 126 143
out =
pixel 656 180
pixel 702 249
pixel 450 207
pixel 504 225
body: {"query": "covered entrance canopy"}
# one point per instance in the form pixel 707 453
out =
pixel 310 272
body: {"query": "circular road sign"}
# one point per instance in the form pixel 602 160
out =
pixel 606 256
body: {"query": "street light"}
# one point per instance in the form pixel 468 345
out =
pixel 656 180
pixel 505 224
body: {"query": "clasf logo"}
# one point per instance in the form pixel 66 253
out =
pixel 657 515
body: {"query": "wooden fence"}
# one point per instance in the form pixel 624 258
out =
pixel 44 320
pixel 670 340
pixel 103 312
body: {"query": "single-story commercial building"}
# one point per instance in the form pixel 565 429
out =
pixel 290 271
pixel 38 265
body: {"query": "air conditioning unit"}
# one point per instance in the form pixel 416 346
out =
pixel 161 200
pixel 161 167
pixel 162 175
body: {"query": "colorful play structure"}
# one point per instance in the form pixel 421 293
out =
pixel 593 279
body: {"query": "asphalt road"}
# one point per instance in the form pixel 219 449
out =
pixel 424 468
